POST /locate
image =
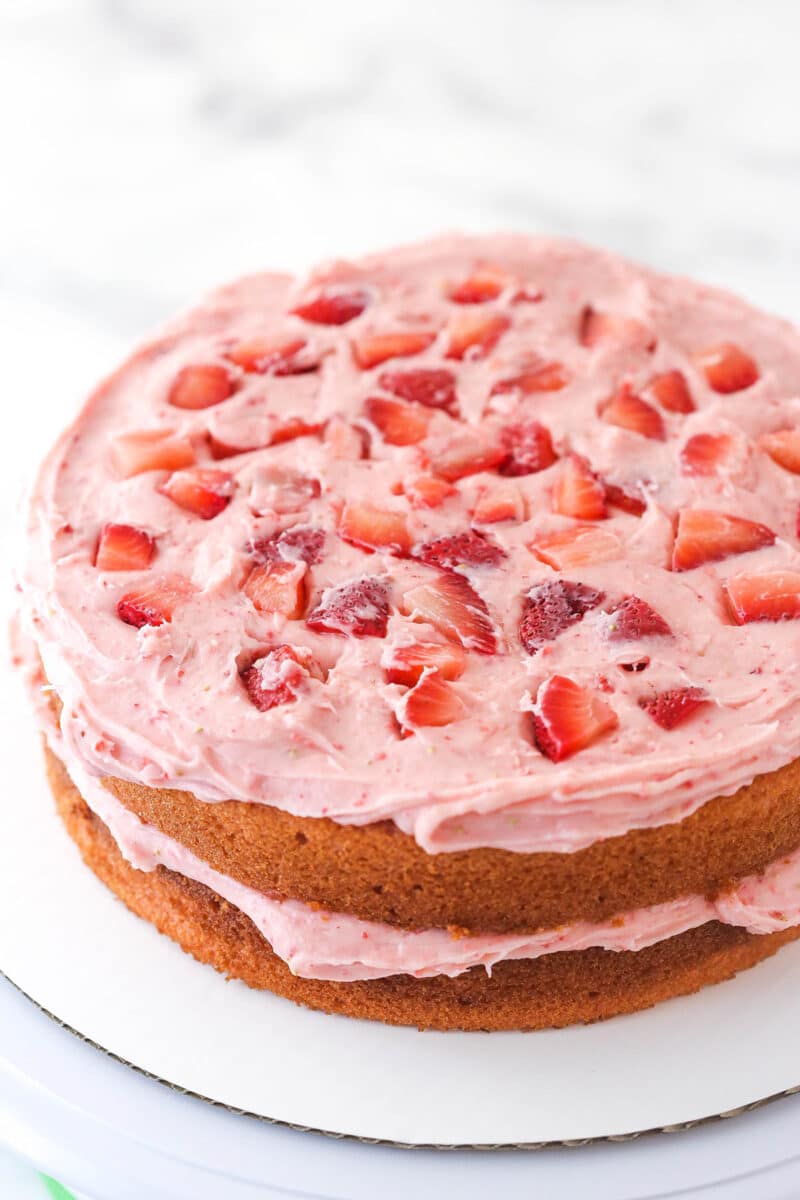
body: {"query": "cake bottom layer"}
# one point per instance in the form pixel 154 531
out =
pixel 554 990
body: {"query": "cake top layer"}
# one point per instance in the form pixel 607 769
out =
pixel 496 537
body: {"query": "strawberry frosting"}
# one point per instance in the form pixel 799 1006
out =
pixel 628 493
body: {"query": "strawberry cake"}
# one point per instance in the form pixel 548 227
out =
pixel 418 640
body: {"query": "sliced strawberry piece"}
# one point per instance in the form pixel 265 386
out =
pixel 473 334
pixel 671 391
pixel 151 450
pixel 359 608
pixel 426 491
pixel 485 283
pixel 705 453
pixel 771 597
pixel 291 428
pixel 278 490
pixel 629 411
pixel 432 387
pixel 550 377
pixel 529 448
pixel 503 501
pixel 466 453
pixel 551 607
pixel 634 618
pixel 333 308
pixel 784 448
pixel 576 547
pixel 373 528
pixel 201 386
pixel 373 349
pixel 405 664
pixel 452 606
pixel 200 490
pixel 568 718
pixel 275 678
pixel 675 706
pixel 578 492
pixel 598 327
pixel 124 548
pixel 629 499
pixel 469 549
pixel 299 544
pixel 278 587
pixel 727 367
pixel 155 602
pixel 400 424
pixel 705 535
pixel 272 355
pixel 344 441
pixel 431 702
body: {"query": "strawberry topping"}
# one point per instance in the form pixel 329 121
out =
pixel 705 453
pixel 151 450
pixel 202 491
pixel 774 596
pixel 578 492
pixel 275 678
pixel 333 308
pixel 784 448
pixel 727 367
pixel 299 544
pixel 568 718
pixel 405 664
pixel 576 547
pixel 469 549
pixel 485 283
pixel 372 528
pixel 550 377
pixel 432 387
pixel 707 536
pixel 278 587
pixel 201 386
pixel 597 328
pixel 503 501
pixel 465 453
pixel 373 349
pixel 270 355
pixel 529 448
pixel 431 702
pixel 551 607
pixel 426 491
pixel 359 608
pixel 400 424
pixel 633 618
pixel 124 548
pixel 472 334
pixel 671 391
pixel 452 606
pixel 675 706
pixel 155 602
pixel 629 411
pixel 629 499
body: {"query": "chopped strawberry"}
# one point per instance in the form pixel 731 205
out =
pixel 372 528
pixel 405 664
pixel 333 308
pixel 771 597
pixel 201 386
pixel 472 334
pixel 151 450
pixel 568 548
pixel 200 490
pixel 278 587
pixel 550 377
pixel 629 411
pixel 568 717
pixel 123 548
pixel 727 367
pixel 671 391
pixel 359 608
pixel 275 678
pixel 345 441
pixel 431 702
pixel 578 492
pixel 705 535
pixel 298 544
pixel 705 453
pixel 784 448
pixel 155 602
pixel 426 491
pixel 400 424
pixel 375 348
pixel 465 453
pixel 675 706
pixel 433 387
pixel 452 606
pixel 485 283
pixel 291 428
pixel 273 355
pixel 503 501
pixel 469 549
pixel 550 608
pixel 279 490
pixel 598 327
pixel 634 618
pixel 629 499
pixel 529 448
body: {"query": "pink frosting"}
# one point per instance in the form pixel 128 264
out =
pixel 166 705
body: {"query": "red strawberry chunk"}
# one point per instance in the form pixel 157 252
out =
pixel 550 377
pixel 465 453
pixel 529 448
pixel 452 606
pixel 784 448
pixel 473 334
pixel 333 308
pixel 123 548
pixel 200 490
pixel 629 499
pixel 727 367
pixel 273 355
pixel 629 411
pixel 675 706
pixel 503 501
pixel 771 597
pixel 705 535
pixel 298 544
pixel 671 391
pixel 359 608
pixel 432 387
pixel 426 491
pixel 345 441
pixel 291 428
pixel 373 349
pixel 201 386
pixel 634 618
pixel 469 549
pixel 405 664
pixel 550 608
pixel 568 718
pixel 400 424
pixel 431 702
pixel 275 678
pixel 151 450
pixel 597 328
pixel 373 528
pixel 155 602
pixel 576 547
pixel 278 587
pixel 705 453
pixel 578 492
pixel 485 283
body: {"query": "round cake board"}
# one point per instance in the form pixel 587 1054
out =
pixel 74 949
